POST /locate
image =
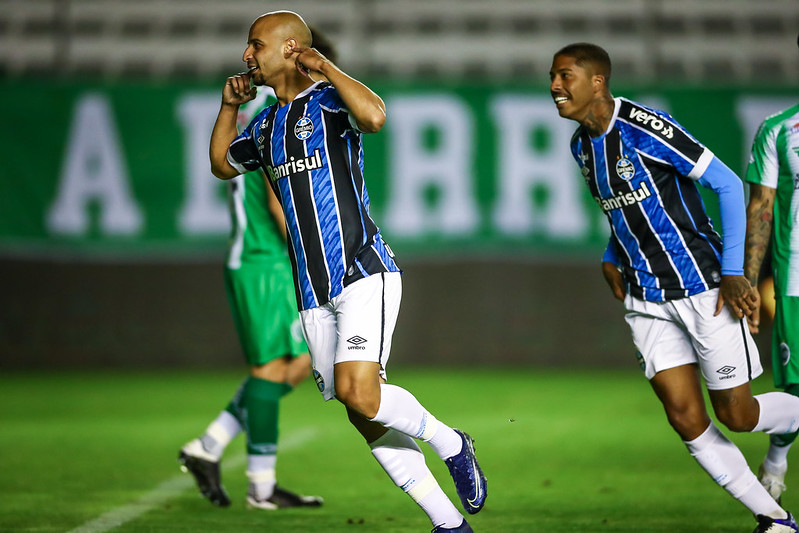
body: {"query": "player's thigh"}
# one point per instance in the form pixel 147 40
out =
pixel 728 356
pixel 264 310
pixel 660 342
pixel 366 313
pixel 785 342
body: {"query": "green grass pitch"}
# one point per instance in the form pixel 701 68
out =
pixel 563 450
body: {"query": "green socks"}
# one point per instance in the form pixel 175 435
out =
pixel 256 407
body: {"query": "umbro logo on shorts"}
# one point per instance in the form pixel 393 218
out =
pixel 726 371
pixel 356 342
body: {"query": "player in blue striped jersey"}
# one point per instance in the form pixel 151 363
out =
pixel 347 283
pixel 683 288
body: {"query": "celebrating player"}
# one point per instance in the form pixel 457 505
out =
pixel 684 291
pixel 347 283
pixel 773 175
pixel 260 291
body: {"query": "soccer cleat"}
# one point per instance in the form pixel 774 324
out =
pixel 470 483
pixel 773 482
pixel 766 524
pixel 283 499
pixel 253 503
pixel 463 528
pixel 200 464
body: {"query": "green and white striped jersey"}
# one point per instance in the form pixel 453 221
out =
pixel 774 163
pixel 254 234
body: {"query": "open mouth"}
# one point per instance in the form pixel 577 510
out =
pixel 560 99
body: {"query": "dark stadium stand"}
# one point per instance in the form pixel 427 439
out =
pixel 677 40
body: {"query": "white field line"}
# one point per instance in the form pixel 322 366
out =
pixel 174 486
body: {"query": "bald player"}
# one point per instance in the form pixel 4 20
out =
pixel 348 285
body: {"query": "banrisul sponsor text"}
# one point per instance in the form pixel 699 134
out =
pixel 622 200
pixel 292 166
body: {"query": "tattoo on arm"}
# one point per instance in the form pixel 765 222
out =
pixel 759 222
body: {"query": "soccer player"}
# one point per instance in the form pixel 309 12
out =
pixel 671 270
pixel 773 176
pixel 260 291
pixel 347 282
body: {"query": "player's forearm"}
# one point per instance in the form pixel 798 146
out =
pixel 728 187
pixel 222 135
pixel 366 107
pixel 760 220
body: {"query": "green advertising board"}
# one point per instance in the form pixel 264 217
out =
pixel 121 171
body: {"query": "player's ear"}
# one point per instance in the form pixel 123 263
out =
pixel 289 45
pixel 597 82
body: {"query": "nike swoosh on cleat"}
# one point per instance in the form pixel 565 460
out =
pixel 477 484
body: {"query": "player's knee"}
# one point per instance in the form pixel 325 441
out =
pixel 737 412
pixel 688 422
pixel 358 398
pixel 735 418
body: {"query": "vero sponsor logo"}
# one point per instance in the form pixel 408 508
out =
pixel 652 121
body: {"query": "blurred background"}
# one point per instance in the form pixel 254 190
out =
pixel 113 231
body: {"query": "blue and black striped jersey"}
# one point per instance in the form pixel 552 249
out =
pixel 311 151
pixel 642 173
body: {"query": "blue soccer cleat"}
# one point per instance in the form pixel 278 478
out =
pixel 470 483
pixel 463 528
pixel 766 524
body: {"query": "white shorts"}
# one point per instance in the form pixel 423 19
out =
pixel 356 325
pixel 684 331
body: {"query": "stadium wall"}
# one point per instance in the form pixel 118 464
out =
pixel 69 315
pixel 112 231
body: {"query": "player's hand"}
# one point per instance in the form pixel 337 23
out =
pixel 739 296
pixel 309 60
pixel 237 90
pixel 754 319
pixel 614 279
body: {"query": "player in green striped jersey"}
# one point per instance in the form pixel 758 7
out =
pixel 773 215
pixel 260 289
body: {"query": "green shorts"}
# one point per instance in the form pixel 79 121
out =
pixel 264 307
pixel 785 342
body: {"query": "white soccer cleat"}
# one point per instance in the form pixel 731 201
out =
pixel 266 505
pixel 195 449
pixel 772 480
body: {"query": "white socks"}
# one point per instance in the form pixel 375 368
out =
pixel 219 434
pixel 403 461
pixel 727 466
pixel 261 473
pixel 400 410
pixel 779 413
pixel 776 460
pixel 260 468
